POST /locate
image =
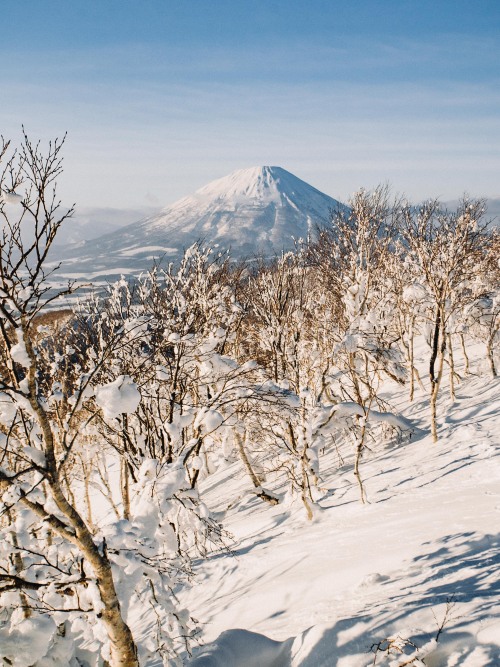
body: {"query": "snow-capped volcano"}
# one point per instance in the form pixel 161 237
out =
pixel 255 210
pixel 266 184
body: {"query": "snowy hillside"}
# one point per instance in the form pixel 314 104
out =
pixel 256 210
pixel 421 555
pixel 293 466
pixel 91 222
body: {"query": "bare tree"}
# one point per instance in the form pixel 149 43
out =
pixel 448 250
pixel 356 254
pixel 35 449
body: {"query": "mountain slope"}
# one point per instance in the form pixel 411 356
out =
pixel 256 210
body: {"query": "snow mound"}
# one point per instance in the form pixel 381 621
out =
pixel 244 649
pixel 118 397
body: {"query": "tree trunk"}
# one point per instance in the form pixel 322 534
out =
pixel 194 451
pixel 452 369
pixel 491 357
pixel 125 486
pixel 437 354
pixel 305 489
pixel 359 453
pixel 414 374
pixel 86 495
pixel 464 352
pixel 123 649
pixel 17 562
pixel 251 472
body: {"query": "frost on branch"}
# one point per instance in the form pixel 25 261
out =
pixel 118 397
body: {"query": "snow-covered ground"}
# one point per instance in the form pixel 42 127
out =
pixel 420 561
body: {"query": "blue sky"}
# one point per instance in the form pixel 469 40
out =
pixel 160 96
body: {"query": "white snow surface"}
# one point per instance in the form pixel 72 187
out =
pixel 294 593
pixel 424 552
pixel 19 354
pixel 10 197
pixel 118 397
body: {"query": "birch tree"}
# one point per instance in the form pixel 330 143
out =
pixel 68 577
pixel 449 250
pixel 34 448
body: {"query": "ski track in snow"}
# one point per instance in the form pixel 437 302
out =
pixel 320 594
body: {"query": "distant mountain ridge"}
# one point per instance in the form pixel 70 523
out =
pixel 256 210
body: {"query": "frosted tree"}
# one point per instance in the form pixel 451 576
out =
pixel 197 400
pixel 281 327
pixel 34 447
pixel 68 576
pixel 448 250
pixel 481 317
pixel 355 254
pixel 411 304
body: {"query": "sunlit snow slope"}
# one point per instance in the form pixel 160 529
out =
pixel 256 210
pixel 422 554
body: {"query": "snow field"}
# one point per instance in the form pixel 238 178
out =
pixel 423 552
